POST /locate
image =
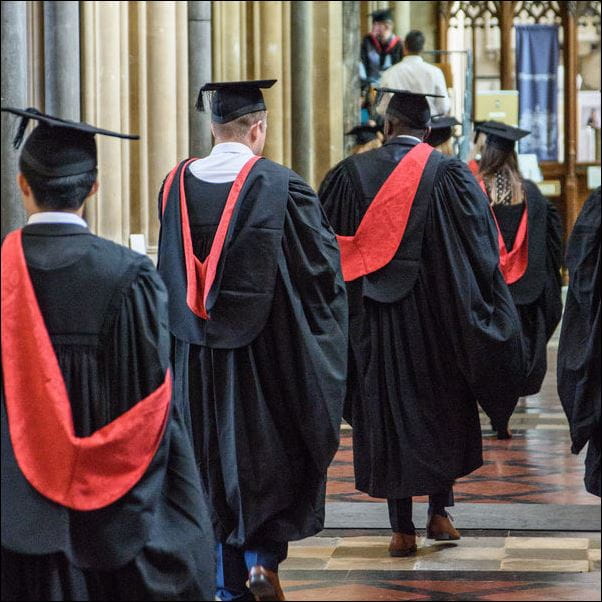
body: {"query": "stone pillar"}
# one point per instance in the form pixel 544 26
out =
pixel 301 93
pixel 328 87
pixel 104 84
pixel 14 94
pixel 62 59
pixel 199 73
pixel 270 43
pixel 401 12
pixel 228 26
pixel 351 58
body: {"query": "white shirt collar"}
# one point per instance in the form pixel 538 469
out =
pixel 236 148
pixel 56 217
pixel 413 58
pixel 409 137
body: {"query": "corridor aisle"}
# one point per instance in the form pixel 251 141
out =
pixel 530 531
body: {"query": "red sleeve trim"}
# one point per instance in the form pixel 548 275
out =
pixel 83 473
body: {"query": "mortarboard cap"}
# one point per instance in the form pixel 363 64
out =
pixel 441 130
pixel 230 100
pixel 412 107
pixel 363 133
pixel 381 15
pixel 58 147
pixel 500 135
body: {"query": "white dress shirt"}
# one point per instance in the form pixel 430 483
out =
pixel 56 217
pixel 416 75
pixel 223 163
pixel 412 138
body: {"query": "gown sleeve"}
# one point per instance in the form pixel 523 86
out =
pixel 578 369
pixel 553 287
pixel 310 271
pixel 341 200
pixel 137 340
pixel 476 309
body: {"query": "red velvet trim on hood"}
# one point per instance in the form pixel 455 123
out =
pixel 381 230
pixel 83 473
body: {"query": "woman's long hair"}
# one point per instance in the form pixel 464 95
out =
pixel 499 170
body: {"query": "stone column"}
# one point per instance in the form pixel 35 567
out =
pixel 199 72
pixel 105 84
pixel 401 12
pixel 351 58
pixel 301 93
pixel 328 87
pixel 14 94
pixel 271 52
pixel 62 59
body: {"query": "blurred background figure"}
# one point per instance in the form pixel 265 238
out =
pixel 415 75
pixel 381 48
pixel 367 137
pixel 441 134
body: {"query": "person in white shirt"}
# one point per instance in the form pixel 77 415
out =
pixel 414 74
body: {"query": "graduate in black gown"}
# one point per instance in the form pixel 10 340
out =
pixel 101 499
pixel 432 325
pixel 530 249
pixel 579 347
pixel 258 313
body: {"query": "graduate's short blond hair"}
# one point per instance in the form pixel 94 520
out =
pixel 238 128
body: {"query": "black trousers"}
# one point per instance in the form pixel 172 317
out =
pixel 400 510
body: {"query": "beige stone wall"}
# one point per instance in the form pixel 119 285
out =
pixel 134 79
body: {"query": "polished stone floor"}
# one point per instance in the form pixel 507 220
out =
pixel 530 530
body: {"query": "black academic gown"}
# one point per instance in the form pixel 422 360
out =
pixel 430 333
pixel 105 310
pixel 265 375
pixel 579 347
pixel 537 294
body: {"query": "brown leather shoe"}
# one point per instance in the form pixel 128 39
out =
pixel 264 584
pixel 402 545
pixel 441 528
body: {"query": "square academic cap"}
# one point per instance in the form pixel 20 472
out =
pixel 58 147
pixel 441 130
pixel 500 135
pixel 363 133
pixel 413 107
pixel 230 100
pixel 384 14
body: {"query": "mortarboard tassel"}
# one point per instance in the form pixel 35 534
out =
pixel 18 139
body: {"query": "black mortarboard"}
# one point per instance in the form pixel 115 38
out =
pixel 412 107
pixel 441 130
pixel 230 100
pixel 500 135
pixel 381 15
pixel 58 147
pixel 363 133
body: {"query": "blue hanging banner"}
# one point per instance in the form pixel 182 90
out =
pixel 537 54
